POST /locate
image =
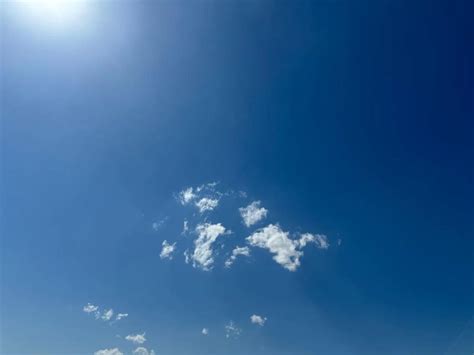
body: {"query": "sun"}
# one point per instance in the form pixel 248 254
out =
pixel 56 12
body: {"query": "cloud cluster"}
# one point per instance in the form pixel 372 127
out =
pixel 253 213
pixel 231 330
pixel 287 249
pixel 106 315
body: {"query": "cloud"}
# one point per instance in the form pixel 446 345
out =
pixel 318 239
pixel 167 251
pixel 113 351
pixel 255 319
pixel 143 351
pixel 186 196
pixel 245 251
pixel 121 316
pixel 136 339
pixel 157 225
pixel 90 308
pixel 253 213
pixel 207 235
pixel 205 331
pixel 206 204
pixel 286 251
pixel 107 315
pixel 185 227
pixel 231 330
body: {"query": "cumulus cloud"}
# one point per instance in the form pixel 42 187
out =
pixel 205 331
pixel 207 204
pixel 107 315
pixel 259 320
pixel 207 235
pixel 136 339
pixel 244 251
pixel 253 213
pixel 167 250
pixel 231 330
pixel 286 251
pixel 143 351
pixel 113 351
pixel 186 196
pixel 90 308
pixel 121 316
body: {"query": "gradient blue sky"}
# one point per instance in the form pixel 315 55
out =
pixel 352 119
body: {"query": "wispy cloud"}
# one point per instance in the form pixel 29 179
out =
pixel 158 224
pixel 107 315
pixel 90 308
pixel 136 339
pixel 253 213
pixel 207 235
pixel 259 320
pixel 143 351
pixel 114 351
pixel 231 330
pixel 244 251
pixel 186 196
pixel 205 331
pixel 121 316
pixel 167 250
pixel 286 251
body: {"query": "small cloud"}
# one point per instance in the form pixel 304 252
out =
pixel 136 339
pixel 107 315
pixel 255 319
pixel 207 235
pixel 157 225
pixel 244 251
pixel 121 316
pixel 205 331
pixel 207 204
pixel 253 213
pixel 186 196
pixel 167 250
pixel 185 227
pixel 113 351
pixel 90 308
pixel 231 330
pixel 143 351
pixel 286 251
pixel 339 242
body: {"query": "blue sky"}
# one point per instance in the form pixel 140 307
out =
pixel 330 142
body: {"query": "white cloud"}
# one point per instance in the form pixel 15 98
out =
pixel 108 314
pixel 207 235
pixel 245 251
pixel 136 339
pixel 255 319
pixel 143 351
pixel 205 331
pixel 187 256
pixel 121 316
pixel 90 308
pixel 113 351
pixel 339 242
pixel 207 204
pixel 231 330
pixel 185 227
pixel 186 196
pixel 253 213
pixel 286 251
pixel 320 240
pixel 167 251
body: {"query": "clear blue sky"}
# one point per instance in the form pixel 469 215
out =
pixel 349 120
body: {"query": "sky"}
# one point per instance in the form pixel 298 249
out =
pixel 236 177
